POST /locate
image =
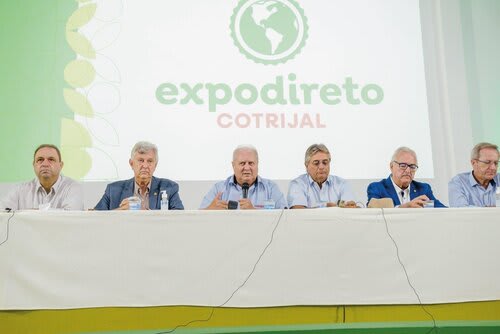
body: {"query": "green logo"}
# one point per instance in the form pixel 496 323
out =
pixel 269 31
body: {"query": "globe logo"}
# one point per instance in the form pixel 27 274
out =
pixel 269 31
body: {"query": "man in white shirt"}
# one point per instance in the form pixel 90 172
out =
pixel 50 189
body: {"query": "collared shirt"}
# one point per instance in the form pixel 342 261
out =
pixel 261 191
pixel 464 190
pixel 306 192
pixel 65 194
pixel 144 197
pixel 403 194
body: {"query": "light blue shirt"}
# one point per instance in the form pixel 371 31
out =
pixel 262 190
pixel 305 191
pixel 464 190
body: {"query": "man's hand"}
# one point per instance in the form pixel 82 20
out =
pixel 246 204
pixel 124 205
pixel 349 204
pixel 217 203
pixel 418 202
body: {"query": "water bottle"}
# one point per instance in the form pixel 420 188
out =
pixel 164 200
pixel 497 195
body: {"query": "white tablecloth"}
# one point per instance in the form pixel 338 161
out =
pixel 61 260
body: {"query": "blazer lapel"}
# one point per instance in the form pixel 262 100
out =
pixel 414 190
pixel 391 191
pixel 154 194
pixel 128 189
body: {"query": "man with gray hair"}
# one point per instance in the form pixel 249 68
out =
pixel 143 161
pixel 317 188
pixel 245 189
pixel 400 186
pixel 478 187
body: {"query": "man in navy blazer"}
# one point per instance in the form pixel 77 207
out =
pixel 399 186
pixel 143 160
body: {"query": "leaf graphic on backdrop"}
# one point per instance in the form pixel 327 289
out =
pixel 104 97
pixel 106 36
pixel 79 73
pixel 74 134
pixel 102 131
pixel 106 68
pixel 103 166
pixel 77 102
pixel 77 161
pixel 80 44
pixel 81 16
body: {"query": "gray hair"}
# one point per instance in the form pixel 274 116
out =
pixel 404 149
pixel 246 147
pixel 313 149
pixel 142 147
pixel 474 155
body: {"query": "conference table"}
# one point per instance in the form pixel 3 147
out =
pixel 264 271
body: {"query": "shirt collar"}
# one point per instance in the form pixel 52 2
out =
pixel 473 182
pixel 55 187
pixel 233 182
pixel 137 188
pixel 398 189
pixel 311 181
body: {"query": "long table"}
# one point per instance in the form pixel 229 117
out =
pixel 236 260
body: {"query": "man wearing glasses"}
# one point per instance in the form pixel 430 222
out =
pixel 317 188
pixel 477 188
pixel 400 187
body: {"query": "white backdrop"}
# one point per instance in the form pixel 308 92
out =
pixel 150 43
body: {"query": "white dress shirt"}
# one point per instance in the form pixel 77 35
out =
pixel 65 194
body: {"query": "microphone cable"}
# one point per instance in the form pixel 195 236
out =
pixel 434 327
pixel 8 225
pixel 207 319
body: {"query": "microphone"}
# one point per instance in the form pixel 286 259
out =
pixel 244 189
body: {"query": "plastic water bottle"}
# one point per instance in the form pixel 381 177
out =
pixel 497 195
pixel 164 200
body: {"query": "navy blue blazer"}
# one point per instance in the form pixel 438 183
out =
pixel 385 189
pixel 117 191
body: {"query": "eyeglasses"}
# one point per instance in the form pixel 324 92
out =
pixel 404 165
pixel 489 162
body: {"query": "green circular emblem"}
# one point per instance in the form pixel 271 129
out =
pixel 269 31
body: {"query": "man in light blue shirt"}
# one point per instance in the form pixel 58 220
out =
pixel 245 188
pixel 477 188
pixel 317 188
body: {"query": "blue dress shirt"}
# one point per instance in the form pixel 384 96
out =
pixel 305 191
pixel 262 190
pixel 464 190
